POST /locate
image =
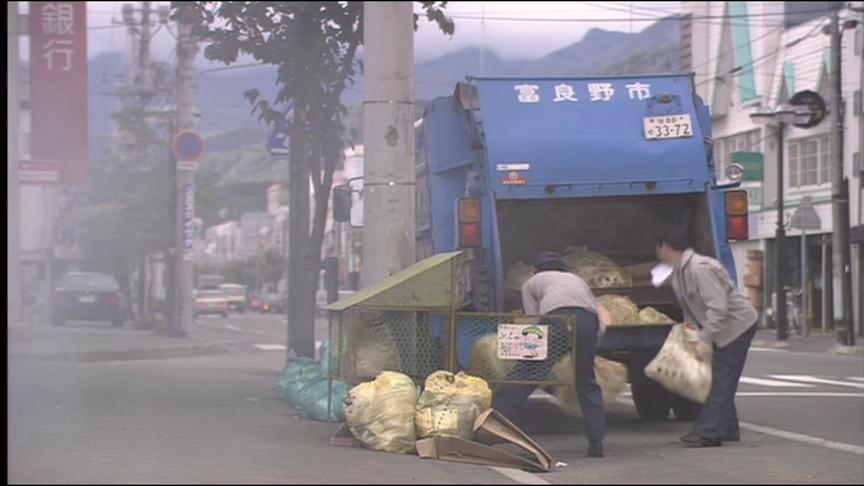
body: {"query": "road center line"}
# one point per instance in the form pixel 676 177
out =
pixel 519 475
pixel 820 381
pixel 805 439
pixel 768 350
pixel 774 383
pixel 799 394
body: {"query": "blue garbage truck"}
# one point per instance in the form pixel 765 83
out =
pixel 507 167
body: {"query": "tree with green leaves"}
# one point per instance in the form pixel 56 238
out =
pixel 128 209
pixel 314 45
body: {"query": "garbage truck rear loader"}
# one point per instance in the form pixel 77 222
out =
pixel 508 167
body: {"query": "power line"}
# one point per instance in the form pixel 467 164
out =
pixel 103 27
pixel 674 15
pixel 754 62
pixel 675 18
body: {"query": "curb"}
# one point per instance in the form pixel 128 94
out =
pixel 130 354
pixel 760 343
pixel 847 350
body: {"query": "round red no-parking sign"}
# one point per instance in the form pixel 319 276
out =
pixel 188 146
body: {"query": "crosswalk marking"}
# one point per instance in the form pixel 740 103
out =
pixel 800 394
pixel 820 381
pixel 271 347
pixel 773 383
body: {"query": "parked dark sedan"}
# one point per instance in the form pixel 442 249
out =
pixel 83 296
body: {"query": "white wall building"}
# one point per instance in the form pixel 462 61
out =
pixel 748 57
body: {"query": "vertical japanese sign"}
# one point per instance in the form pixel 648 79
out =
pixel 58 87
pixel 188 217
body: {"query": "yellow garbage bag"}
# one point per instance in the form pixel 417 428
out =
pixel 380 413
pixel 450 404
pixel 650 315
pixel 611 376
pixel 621 309
pixel 483 361
pixel 683 365
pixel 598 271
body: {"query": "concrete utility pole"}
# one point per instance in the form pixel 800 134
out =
pixel 839 196
pixel 780 244
pixel 186 92
pixel 144 56
pixel 861 185
pixel 13 267
pixel 388 114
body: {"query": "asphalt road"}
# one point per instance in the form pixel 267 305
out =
pixel 217 419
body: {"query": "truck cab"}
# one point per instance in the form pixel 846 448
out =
pixel 509 167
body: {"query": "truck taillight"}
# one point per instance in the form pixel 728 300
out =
pixel 737 228
pixel 468 212
pixel 469 235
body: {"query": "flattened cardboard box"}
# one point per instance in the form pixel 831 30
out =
pixel 490 428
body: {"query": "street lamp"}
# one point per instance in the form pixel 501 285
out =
pixel 779 117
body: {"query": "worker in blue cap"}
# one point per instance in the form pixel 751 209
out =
pixel 555 291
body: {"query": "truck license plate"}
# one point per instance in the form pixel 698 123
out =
pixel 87 299
pixel 669 126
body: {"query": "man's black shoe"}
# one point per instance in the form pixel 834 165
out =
pixel 696 440
pixel 595 448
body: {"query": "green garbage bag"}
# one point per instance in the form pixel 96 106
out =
pixel 312 401
pixel 296 375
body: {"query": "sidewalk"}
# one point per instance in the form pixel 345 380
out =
pixel 99 342
pixel 816 342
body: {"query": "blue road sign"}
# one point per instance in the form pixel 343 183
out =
pixel 277 141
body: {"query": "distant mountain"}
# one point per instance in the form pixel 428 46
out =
pixel 234 139
pixel 599 49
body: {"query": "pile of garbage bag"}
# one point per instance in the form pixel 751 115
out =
pixel 386 414
pixel 610 375
pixel 597 270
pixel 377 349
pixel 622 310
pixel 304 384
pixel 683 365
pixel 450 404
pixel 380 413
pixel 650 315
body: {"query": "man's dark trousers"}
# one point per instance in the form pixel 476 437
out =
pixel 508 397
pixel 719 418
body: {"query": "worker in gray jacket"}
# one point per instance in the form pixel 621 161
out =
pixel 724 319
pixel 555 291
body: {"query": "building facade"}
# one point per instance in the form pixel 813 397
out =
pixel 752 56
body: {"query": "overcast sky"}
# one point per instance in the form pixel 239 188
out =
pixel 499 31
